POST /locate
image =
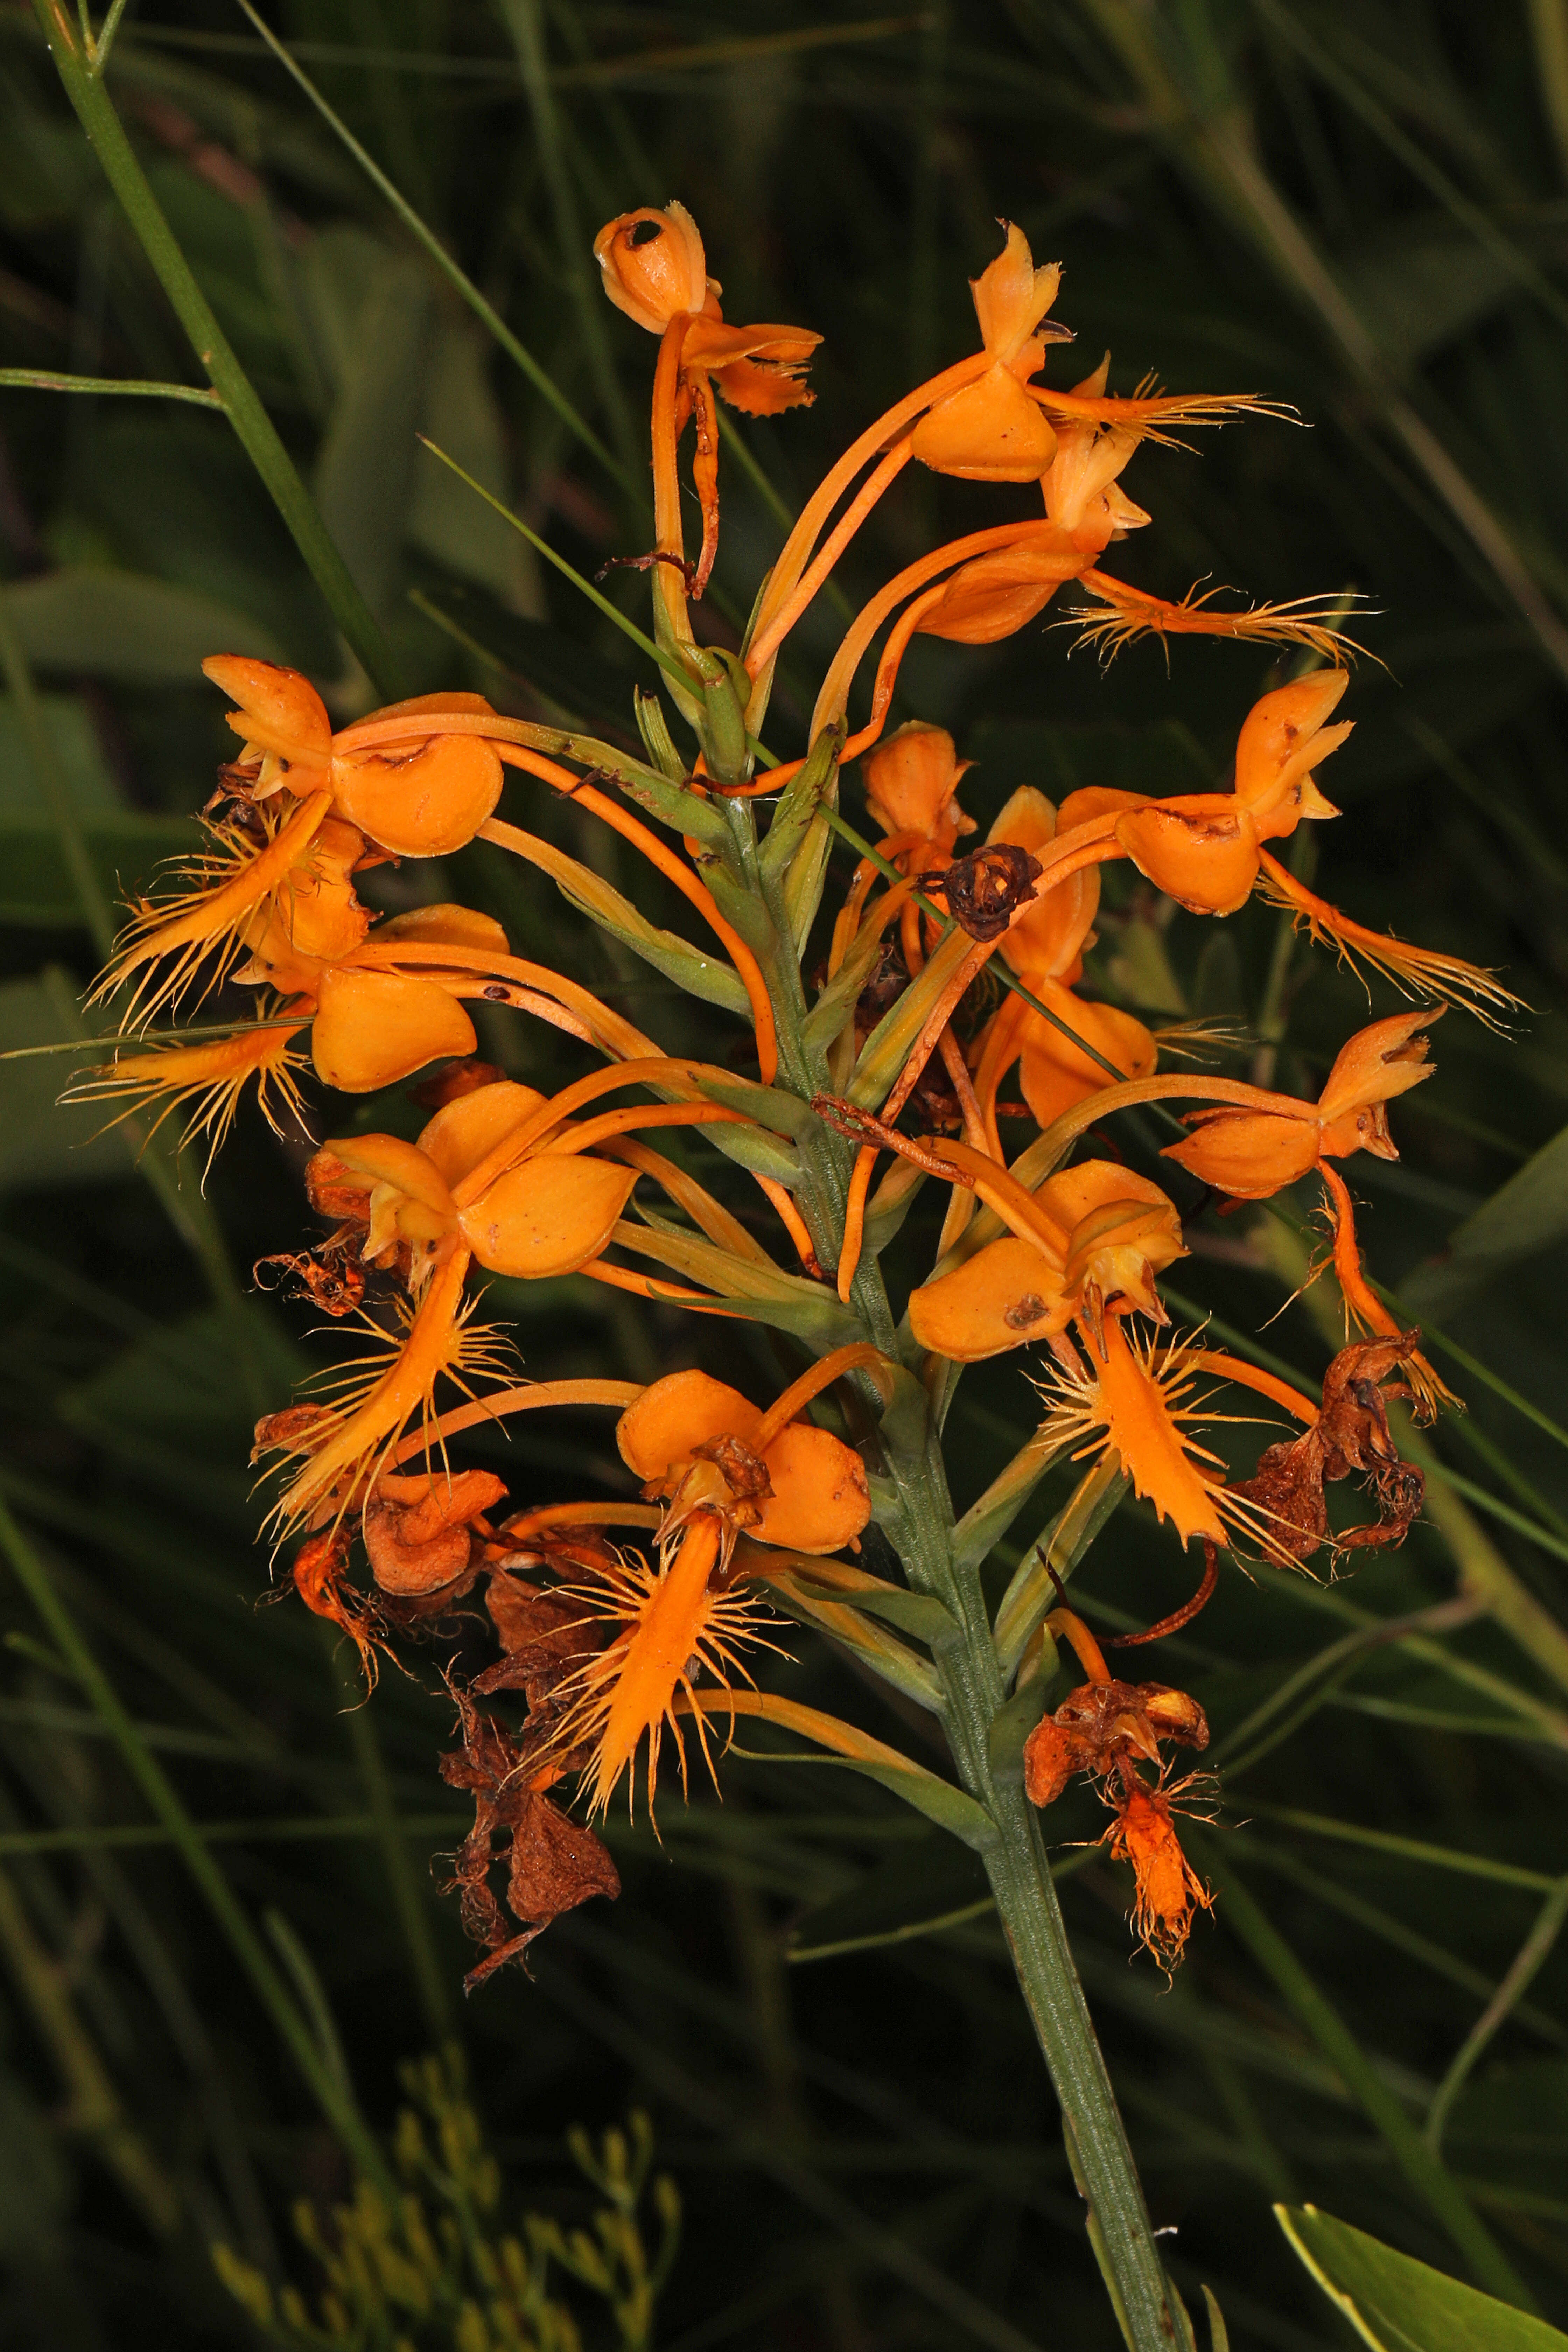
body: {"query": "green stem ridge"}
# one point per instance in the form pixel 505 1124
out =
pixel 106 133
pixel 920 1526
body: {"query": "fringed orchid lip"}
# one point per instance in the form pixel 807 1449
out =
pixel 720 1466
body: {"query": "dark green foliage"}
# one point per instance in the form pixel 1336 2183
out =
pixel 1358 211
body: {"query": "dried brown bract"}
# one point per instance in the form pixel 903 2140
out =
pixel 1350 1438
pixel 553 1862
pixel 984 890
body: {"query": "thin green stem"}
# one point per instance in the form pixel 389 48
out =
pixel 1426 2172
pixel 1528 1960
pixel 50 380
pixel 163 1799
pixel 390 1837
pixel 921 1528
pixel 85 89
pixel 487 316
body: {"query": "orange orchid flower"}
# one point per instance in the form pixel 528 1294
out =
pixel 428 800
pixel 1087 1247
pixel 990 431
pixel 1253 1154
pixel 501 1177
pixel 1045 946
pixel 985 420
pixel 653 269
pixel 1084 1250
pixel 721 1466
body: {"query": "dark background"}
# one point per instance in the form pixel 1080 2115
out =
pixel 1361 213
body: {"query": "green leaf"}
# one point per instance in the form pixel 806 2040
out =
pixel 124 625
pixel 39 1142
pixel 920 1613
pixel 1398 2305
pixel 918 1891
pixel 374 313
pixel 1523 1217
pixel 461 413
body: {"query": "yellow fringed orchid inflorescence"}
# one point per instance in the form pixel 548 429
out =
pixel 890 1022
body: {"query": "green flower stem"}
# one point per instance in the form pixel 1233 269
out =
pixel 249 419
pixel 1151 2319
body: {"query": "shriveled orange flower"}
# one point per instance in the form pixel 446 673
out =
pixel 1107 1728
pixel 1103 1724
pixel 721 1466
pixel 1168 1890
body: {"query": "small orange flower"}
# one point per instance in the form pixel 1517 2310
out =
pixel 991 431
pixel 653 269
pixel 1086 1245
pixel 1203 848
pixel 425 799
pixel 912 790
pixel 653 265
pixel 1253 1154
pixel 723 1467
pixel 1045 946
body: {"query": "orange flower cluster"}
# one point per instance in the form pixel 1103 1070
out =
pixel 945 969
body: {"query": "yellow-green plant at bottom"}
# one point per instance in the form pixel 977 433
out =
pixel 439 2271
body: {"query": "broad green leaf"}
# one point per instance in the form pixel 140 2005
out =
pixel 1421 282
pixel 39 1142
pixel 1524 1216
pixel 35 884
pixel 124 625
pixel 470 539
pixel 1398 2305
pixel 374 312
pixel 920 1891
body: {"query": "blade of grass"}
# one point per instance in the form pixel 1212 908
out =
pixel 336 2102
pixel 1408 1849
pixel 407 1899
pixel 293 1829
pixel 1530 1958
pixel 487 314
pixel 1196 110
pixel 242 405
pixel 1261 1852
pixel 94 2110
pixel 524 20
pixel 1427 2174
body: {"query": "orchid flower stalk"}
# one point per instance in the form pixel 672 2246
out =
pixel 633 1632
